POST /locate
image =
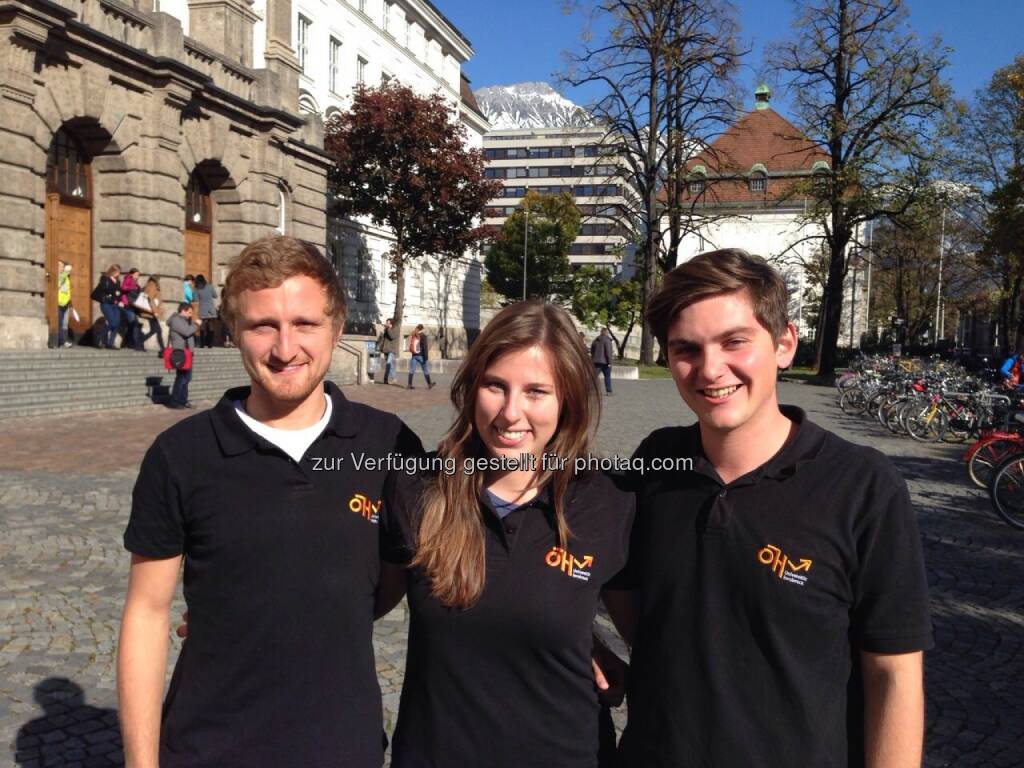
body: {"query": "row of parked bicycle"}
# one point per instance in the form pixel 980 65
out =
pixel 931 401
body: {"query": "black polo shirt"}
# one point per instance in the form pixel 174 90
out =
pixel 508 682
pixel 757 597
pixel 281 565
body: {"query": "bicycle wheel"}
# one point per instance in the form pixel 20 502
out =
pixel 853 402
pixel 988 457
pixel 927 424
pixel 1006 491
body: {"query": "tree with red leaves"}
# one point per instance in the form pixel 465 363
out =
pixel 402 160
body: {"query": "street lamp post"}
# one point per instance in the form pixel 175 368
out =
pixel 938 298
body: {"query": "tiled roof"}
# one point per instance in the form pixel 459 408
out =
pixel 762 137
pixel 466 93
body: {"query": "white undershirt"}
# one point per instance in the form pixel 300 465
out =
pixel 294 442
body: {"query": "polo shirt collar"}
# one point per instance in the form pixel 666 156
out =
pixel 801 449
pixel 236 438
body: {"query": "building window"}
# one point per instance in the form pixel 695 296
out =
pixel 362 6
pixel 282 212
pixel 302 41
pixel 758 182
pixel 334 64
pixel 387 17
pixel 67 170
pixel 408 31
pixel 695 187
pixel 360 70
pixel 197 204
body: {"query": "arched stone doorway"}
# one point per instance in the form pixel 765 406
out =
pixel 198 226
pixel 68 227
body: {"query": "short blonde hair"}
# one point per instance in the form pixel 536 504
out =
pixel 268 262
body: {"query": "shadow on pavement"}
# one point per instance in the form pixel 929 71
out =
pixel 70 732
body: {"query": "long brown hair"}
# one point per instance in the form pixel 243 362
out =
pixel 450 541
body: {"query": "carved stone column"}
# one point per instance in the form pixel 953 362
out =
pixel 225 26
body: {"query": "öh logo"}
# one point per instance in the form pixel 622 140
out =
pixel 361 505
pixel 782 566
pixel 569 565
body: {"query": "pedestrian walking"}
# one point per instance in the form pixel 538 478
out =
pixel 151 290
pixel 182 330
pixel 419 351
pixel 205 294
pixel 387 345
pixel 63 302
pixel 108 293
pixel 602 354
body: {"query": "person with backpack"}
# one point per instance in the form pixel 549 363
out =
pixel 108 293
pixel 1011 370
pixel 386 346
pixel 418 348
pixel 182 329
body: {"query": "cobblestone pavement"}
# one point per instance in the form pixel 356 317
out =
pixel 65 484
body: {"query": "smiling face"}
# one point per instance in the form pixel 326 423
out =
pixel 724 364
pixel 517 403
pixel 286 338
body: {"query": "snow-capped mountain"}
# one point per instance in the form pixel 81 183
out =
pixel 528 105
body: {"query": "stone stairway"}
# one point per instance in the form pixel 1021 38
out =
pixel 38 382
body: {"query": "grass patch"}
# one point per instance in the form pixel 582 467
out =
pixel 797 374
pixel 654 372
pixel 646 371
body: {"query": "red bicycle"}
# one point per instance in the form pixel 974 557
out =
pixel 988 452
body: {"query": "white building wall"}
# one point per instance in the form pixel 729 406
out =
pixel 404 40
pixel 781 237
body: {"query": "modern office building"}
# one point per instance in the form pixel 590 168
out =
pixel 342 44
pixel 555 160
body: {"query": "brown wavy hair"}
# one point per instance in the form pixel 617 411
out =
pixel 268 262
pixel 450 539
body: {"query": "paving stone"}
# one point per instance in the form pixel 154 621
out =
pixel 64 501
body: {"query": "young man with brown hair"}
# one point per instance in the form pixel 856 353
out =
pixel 776 594
pixel 281 561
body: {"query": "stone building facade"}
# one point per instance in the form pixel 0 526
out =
pixel 125 140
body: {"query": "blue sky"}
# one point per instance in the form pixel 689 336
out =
pixel 524 39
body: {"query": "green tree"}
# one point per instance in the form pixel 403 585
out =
pixel 547 225
pixel 600 300
pixel 402 160
pixel 1003 252
pixel 866 91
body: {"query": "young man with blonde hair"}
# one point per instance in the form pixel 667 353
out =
pixel 281 561
pixel 776 594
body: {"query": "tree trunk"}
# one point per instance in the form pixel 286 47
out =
pixel 396 319
pixel 832 309
pixel 653 229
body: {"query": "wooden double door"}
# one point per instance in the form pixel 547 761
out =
pixel 69 238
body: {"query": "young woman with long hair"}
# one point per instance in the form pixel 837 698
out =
pixel 504 545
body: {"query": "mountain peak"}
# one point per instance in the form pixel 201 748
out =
pixel 529 105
